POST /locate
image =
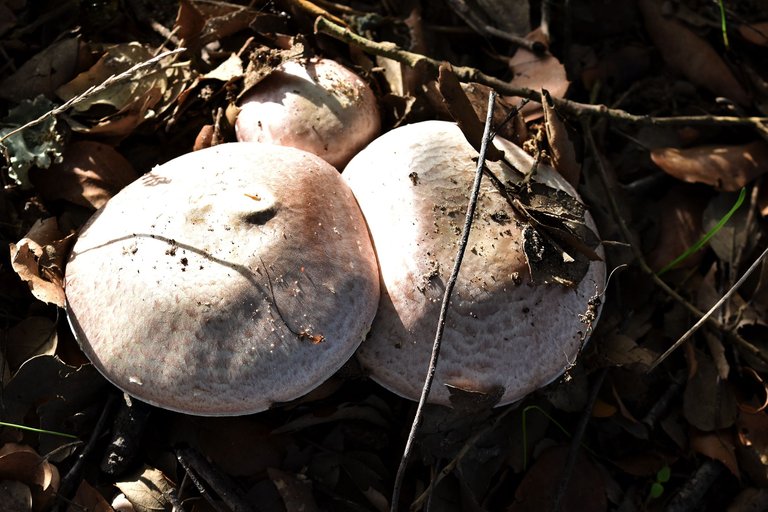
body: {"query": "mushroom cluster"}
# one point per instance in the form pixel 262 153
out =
pixel 225 280
pixel 506 335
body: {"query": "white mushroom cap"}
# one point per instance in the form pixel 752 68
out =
pixel 225 280
pixel 316 105
pixel 503 333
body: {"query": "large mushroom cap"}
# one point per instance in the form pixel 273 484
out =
pixel 504 334
pixel 225 280
pixel 316 105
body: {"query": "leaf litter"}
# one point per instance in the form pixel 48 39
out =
pixel 339 452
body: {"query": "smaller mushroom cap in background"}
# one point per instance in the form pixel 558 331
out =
pixel 316 105
pixel 504 335
pixel 225 280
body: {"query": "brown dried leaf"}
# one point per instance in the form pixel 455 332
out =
pixel 33 336
pixel 561 148
pixel 585 493
pixel 22 463
pixel 726 168
pixel 229 70
pixel 622 350
pixel 537 72
pixel 199 23
pixel 43 73
pixel 755 33
pixel 461 109
pixel 38 259
pixel 88 498
pixel 740 235
pixel 680 212
pixel 708 401
pixel 147 490
pixel 514 130
pixel 717 446
pixel 116 110
pixel 89 175
pixel 295 490
pixel 689 54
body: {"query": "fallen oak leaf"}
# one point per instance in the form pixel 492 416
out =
pixel 38 259
pixel 692 56
pixel 727 168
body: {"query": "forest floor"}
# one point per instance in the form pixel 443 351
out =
pixel 657 111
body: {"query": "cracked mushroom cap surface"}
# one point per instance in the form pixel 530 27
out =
pixel 224 281
pixel 505 335
pixel 316 105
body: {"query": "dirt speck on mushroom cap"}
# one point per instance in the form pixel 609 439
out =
pixel 225 280
pixel 502 331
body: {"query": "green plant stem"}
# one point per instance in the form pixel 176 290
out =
pixel 703 240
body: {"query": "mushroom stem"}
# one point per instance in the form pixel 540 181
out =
pixel 444 305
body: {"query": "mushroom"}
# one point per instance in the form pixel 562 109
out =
pixel 224 281
pixel 505 334
pixel 316 105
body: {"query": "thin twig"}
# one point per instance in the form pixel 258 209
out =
pixel 537 47
pixel 225 488
pixel 711 311
pixel 93 90
pixel 576 441
pixel 68 482
pixel 453 464
pixel 640 259
pixel 469 74
pixel 444 306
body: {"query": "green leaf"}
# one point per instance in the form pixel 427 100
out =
pixel 656 490
pixel 663 475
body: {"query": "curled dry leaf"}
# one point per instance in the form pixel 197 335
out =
pixel 726 168
pixel 147 490
pixel 22 463
pixel 561 148
pixel 459 106
pixel 689 54
pixel 89 175
pixel 38 259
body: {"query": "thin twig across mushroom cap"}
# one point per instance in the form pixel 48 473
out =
pixel 225 280
pixel 505 334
